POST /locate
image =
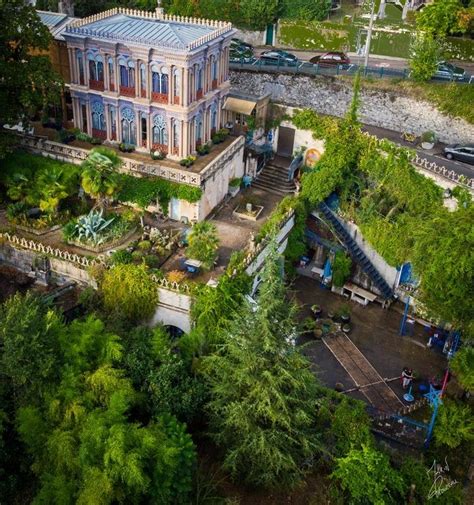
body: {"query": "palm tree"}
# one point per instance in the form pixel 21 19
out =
pixel 100 178
pixel 203 243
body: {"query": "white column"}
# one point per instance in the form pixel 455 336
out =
pixel 149 137
pixel 119 126
pixel 108 125
pixel 181 139
pixel 137 78
pixel 138 123
pixel 185 139
pixel 171 84
pixel 170 136
pixel 117 78
pixel 89 117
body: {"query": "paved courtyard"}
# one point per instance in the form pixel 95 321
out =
pixel 375 332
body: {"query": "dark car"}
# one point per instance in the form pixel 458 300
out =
pixel 449 71
pixel 461 152
pixel 279 57
pixel 331 59
pixel 237 44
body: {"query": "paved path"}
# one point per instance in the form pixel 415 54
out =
pixel 366 378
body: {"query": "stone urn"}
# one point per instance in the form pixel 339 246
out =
pixel 248 207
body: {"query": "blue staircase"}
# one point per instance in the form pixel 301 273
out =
pixel 356 252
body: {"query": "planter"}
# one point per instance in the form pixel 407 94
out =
pixel 234 190
pixel 106 245
pixel 317 311
pixel 243 213
pixel 332 315
pixel 318 334
pixel 427 145
pixel 345 318
pixel 40 231
pixel 346 328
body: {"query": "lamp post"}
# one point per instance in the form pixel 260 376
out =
pixel 369 35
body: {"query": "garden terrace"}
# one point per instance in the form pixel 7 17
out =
pixel 201 164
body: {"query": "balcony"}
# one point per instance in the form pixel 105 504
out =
pixel 159 97
pixel 199 94
pixel 160 147
pixel 214 84
pixel 127 91
pixel 100 134
pixel 98 85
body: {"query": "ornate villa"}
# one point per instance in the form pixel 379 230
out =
pixel 155 81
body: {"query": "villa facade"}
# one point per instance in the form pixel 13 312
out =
pixel 154 81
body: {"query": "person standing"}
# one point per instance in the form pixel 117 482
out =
pixel 407 377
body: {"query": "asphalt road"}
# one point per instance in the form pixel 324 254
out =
pixel 374 60
pixel 435 154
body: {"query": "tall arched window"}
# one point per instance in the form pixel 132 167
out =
pixel 80 64
pixel 199 82
pixel 127 77
pixel 198 126
pixel 96 68
pixel 213 118
pixel 160 134
pixel 128 126
pixel 175 137
pixel 214 68
pixel 176 85
pixel 98 120
pixel 159 79
pixel 111 73
pixel 143 78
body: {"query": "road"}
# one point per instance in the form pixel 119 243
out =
pixel 435 155
pixel 374 60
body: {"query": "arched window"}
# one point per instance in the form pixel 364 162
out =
pixel 128 126
pixel 213 117
pixel 96 67
pixel 160 135
pixel 159 79
pixel 113 122
pixel 214 68
pixel 110 63
pixel 199 79
pixel 143 80
pixel 98 118
pixel 176 83
pixel 198 126
pixel 127 73
pixel 80 64
pixel 175 137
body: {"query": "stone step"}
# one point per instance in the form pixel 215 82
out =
pixel 273 188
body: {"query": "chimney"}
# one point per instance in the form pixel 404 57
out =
pixel 66 7
pixel 159 9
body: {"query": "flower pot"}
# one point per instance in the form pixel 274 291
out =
pixel 233 190
pixel 345 318
pixel 427 145
pixel 346 328
pixel 317 311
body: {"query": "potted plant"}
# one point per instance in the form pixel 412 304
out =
pixel 96 141
pixel 126 148
pixel 187 162
pixel 234 185
pixel 203 149
pixel 317 311
pixel 157 154
pixel 428 140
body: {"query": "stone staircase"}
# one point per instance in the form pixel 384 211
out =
pixel 274 178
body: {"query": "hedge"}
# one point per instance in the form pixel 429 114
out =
pixel 145 191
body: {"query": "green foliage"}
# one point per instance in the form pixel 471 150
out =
pixel 29 346
pixel 454 424
pixel 203 243
pixel 29 81
pixel 463 367
pixel 38 181
pixel 341 269
pixel 122 257
pixel 100 178
pixel 129 291
pixel 425 53
pixel 256 15
pixel 144 191
pixel 262 406
pixel 163 375
pixel 272 224
pixel 350 427
pixel 440 18
pixel 366 476
pixel 306 9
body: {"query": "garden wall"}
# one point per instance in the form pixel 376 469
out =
pixel 378 108
pixel 173 310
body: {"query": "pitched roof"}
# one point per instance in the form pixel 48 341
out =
pixel 56 22
pixel 149 29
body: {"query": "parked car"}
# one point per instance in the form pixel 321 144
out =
pixel 331 59
pixel 279 57
pixel 461 152
pixel 447 70
pixel 240 44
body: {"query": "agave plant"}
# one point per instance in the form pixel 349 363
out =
pixel 92 226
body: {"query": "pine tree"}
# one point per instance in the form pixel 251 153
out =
pixel 263 393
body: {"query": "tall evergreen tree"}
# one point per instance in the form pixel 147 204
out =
pixel 263 394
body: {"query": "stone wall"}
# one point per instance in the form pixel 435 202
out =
pixel 378 108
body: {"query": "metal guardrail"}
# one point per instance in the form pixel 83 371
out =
pixel 307 68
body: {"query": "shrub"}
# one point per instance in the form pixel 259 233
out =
pixel 203 243
pixel 129 291
pixel 96 141
pixel 137 255
pixel 69 230
pixel 83 137
pixel 122 257
pixel 235 182
pixel 341 269
pixel 187 162
pixel 203 149
pixel 16 209
pixel 428 137
pixel 126 148
pixel 157 155
pixel 176 276
pixel 144 245
pixel 151 261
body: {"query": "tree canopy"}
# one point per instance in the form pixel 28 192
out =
pixel 29 82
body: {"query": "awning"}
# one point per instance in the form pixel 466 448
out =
pixel 239 105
